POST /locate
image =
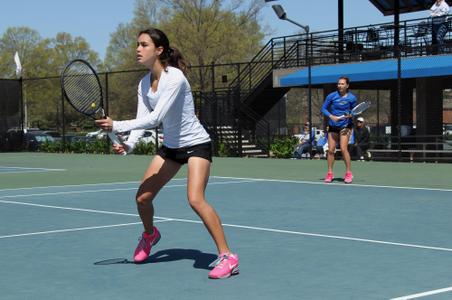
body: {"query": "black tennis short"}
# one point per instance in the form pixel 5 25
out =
pixel 181 155
pixel 339 129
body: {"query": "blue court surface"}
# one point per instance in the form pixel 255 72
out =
pixel 295 240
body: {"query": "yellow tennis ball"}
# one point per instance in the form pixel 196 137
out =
pixel 93 105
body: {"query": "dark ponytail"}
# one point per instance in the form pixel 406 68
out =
pixel 175 59
pixel 170 56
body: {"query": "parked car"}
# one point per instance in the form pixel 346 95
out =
pixel 16 136
pixel 447 129
pixel 148 136
pixel 14 139
pixel 99 134
pixel 55 134
pixel 72 138
pixel 33 139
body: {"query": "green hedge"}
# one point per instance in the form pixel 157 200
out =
pixel 144 148
pixel 223 150
pixel 94 146
pixel 283 147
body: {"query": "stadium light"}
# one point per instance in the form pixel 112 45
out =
pixel 279 10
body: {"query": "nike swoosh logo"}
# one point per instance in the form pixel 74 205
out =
pixel 189 152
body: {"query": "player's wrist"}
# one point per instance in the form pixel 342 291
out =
pixel 128 147
pixel 114 126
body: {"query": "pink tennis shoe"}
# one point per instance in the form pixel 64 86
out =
pixel 348 178
pixel 144 246
pixel 329 177
pixel 224 266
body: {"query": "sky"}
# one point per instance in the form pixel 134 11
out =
pixel 96 20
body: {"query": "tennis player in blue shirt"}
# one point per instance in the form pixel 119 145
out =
pixel 336 108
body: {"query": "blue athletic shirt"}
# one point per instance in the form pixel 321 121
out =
pixel 337 105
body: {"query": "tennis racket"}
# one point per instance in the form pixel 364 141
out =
pixel 113 261
pixel 357 110
pixel 81 87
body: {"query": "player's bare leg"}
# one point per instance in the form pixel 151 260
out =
pixel 198 176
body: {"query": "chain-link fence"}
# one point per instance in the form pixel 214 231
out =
pixel 244 111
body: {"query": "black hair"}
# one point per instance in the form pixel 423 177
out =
pixel 347 80
pixel 170 56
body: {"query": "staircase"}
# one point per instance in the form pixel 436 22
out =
pixel 229 135
pixel 254 83
pixel 235 115
pixel 232 124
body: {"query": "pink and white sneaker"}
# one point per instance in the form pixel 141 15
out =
pixel 144 246
pixel 224 266
pixel 329 177
pixel 348 178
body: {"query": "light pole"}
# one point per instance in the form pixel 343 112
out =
pixel 279 10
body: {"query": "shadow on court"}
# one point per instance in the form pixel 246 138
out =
pixel 335 179
pixel 338 179
pixel 201 260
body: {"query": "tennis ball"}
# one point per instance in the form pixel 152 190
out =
pixel 93 105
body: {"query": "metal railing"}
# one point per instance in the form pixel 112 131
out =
pixel 370 42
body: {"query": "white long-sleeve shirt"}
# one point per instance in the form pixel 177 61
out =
pixel 172 105
pixel 439 10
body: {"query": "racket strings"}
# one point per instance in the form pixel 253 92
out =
pixel 361 107
pixel 82 88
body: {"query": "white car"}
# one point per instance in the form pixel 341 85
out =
pixel 99 134
pixel 447 129
pixel 148 136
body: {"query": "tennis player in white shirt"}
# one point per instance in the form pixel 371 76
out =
pixel 165 97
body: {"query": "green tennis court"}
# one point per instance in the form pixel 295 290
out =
pixel 386 236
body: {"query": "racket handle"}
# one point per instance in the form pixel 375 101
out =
pixel 345 116
pixel 115 140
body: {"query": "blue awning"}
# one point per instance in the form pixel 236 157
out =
pixel 437 65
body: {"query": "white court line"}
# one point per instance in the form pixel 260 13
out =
pixel 337 237
pixel 242 178
pixel 69 208
pixel 75 229
pixel 111 190
pixel 67 186
pixel 27 170
pixel 79 185
pixel 335 184
pixel 64 193
pixel 242 226
pixel 420 295
pixel 86 184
